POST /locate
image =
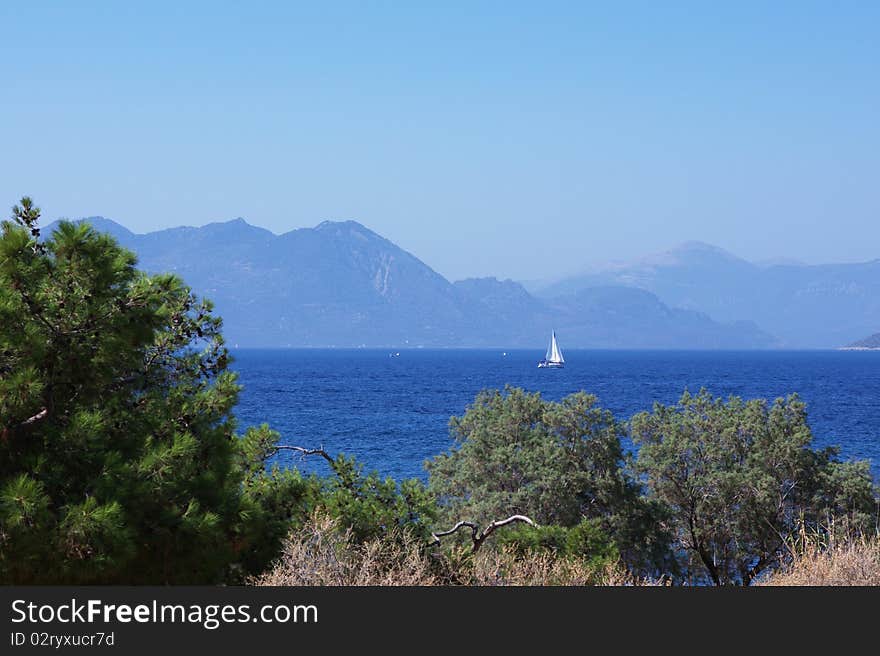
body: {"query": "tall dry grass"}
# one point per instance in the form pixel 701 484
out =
pixel 320 553
pixel 817 560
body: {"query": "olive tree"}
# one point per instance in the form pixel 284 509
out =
pixel 559 463
pixel 739 479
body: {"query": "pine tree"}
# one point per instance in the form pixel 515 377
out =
pixel 119 460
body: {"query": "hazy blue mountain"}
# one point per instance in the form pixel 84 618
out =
pixel 504 313
pixel 625 317
pixel 818 306
pixel 870 342
pixel 340 284
pixel 122 234
pixel 694 274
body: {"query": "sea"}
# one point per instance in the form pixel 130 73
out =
pixel 391 409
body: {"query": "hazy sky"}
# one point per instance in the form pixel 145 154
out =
pixel 522 140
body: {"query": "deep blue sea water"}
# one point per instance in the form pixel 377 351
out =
pixel 393 412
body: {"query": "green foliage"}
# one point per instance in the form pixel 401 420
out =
pixel 273 500
pixel 558 463
pixel 739 478
pixel 364 505
pixel 371 507
pixel 118 456
pixel 585 540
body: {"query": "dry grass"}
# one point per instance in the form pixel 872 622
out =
pixel 849 561
pixel 322 554
pixel 506 567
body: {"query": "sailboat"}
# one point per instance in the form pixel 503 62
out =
pixel 553 359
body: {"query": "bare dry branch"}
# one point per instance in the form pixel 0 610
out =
pixel 42 414
pixel 477 537
pixel 503 522
pixel 474 528
pixel 6 431
pixel 306 452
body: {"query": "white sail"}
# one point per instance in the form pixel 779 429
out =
pixel 554 353
pixel 553 359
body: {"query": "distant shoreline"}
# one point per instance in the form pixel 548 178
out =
pixel 859 348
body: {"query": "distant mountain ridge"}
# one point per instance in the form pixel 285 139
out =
pixel 870 342
pixel 340 284
pixel 805 306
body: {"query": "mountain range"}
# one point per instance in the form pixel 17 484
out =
pixel 340 284
pixel 802 306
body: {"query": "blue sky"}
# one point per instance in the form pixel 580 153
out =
pixel 523 140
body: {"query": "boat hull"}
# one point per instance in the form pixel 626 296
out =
pixel 550 365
